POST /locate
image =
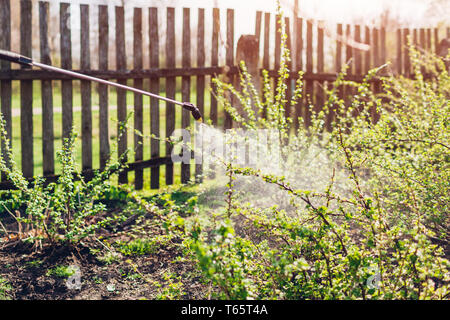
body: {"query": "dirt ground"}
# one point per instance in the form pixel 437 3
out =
pixel 138 277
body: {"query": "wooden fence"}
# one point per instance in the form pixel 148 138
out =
pixel 309 55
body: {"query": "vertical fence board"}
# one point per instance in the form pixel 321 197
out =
pixel 48 163
pixel 428 39
pixel 338 56
pixel 86 91
pixel 357 53
pixel 376 62
pixel 299 44
pixel 186 85
pixel 214 61
pixel 422 41
pixel 154 87
pixel 230 59
pixel 138 99
pixel 5 85
pixel 309 84
pixel 200 79
pixel 399 51
pixel 349 60
pixel 407 64
pixel 26 91
pixel 320 98
pixel 415 39
pixel 376 47
pixel 338 65
pixel 349 50
pixel 298 64
pixel 266 54
pixel 170 88
pixel 287 109
pixel 436 40
pixel 277 53
pixel 103 49
pixel 383 53
pixel 367 60
pixel 121 94
pixel 66 63
pixel 258 25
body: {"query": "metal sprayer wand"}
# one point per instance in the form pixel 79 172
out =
pixel 17 58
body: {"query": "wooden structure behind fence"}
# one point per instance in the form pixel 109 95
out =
pixel 307 37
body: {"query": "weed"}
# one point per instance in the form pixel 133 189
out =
pixel 5 290
pixel 61 271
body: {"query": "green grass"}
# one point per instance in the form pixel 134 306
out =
pixel 57 126
pixel 60 272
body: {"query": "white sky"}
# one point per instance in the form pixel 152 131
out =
pixel 407 12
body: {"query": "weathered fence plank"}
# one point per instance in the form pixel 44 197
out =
pixel 287 108
pixel 422 40
pixel 214 61
pixel 26 92
pixel 5 85
pixel 154 103
pixel 66 63
pixel 383 53
pixel 406 61
pixel 186 85
pixel 138 99
pixel 121 64
pixel 309 85
pixel 320 94
pixel 429 39
pixel 399 51
pixel 229 60
pixel 86 91
pixel 258 25
pixel 436 40
pixel 200 90
pixel 103 49
pixel 357 52
pixel 349 50
pixel 367 56
pixel 48 157
pixel 299 66
pixel 170 88
pixel 266 53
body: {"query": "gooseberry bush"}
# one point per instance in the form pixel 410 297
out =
pixel 63 212
pixel 377 229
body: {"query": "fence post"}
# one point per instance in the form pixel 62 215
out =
pixel 86 92
pixel 228 121
pixel 186 85
pixel 48 161
pixel 248 52
pixel 5 85
pixel 200 79
pixel 121 65
pixel 138 99
pixel 26 92
pixel 103 100
pixel 66 63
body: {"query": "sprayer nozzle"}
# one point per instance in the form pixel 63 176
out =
pixel 193 109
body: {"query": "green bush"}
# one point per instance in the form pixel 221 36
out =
pixel 64 211
pixel 366 215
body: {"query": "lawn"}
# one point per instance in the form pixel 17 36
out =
pixel 57 123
